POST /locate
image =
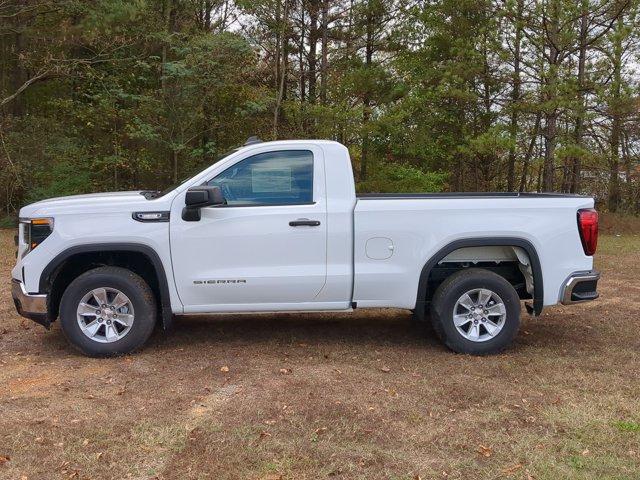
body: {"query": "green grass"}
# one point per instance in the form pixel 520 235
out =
pixel 8 222
pixel 627 426
pixel 614 244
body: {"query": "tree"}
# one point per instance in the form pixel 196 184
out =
pixel 455 95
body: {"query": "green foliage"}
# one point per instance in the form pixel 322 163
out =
pixel 493 142
pixel 137 94
pixel 63 179
pixel 8 222
pixel 390 177
pixel 628 426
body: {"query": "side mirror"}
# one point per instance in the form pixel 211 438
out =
pixel 204 196
pixel 199 197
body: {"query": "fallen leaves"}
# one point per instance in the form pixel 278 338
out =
pixel 224 369
pixel 286 371
pixel 484 451
pixel 69 472
pixel 510 470
pixel 385 369
pixel 4 459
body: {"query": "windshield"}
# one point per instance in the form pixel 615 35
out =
pixel 152 194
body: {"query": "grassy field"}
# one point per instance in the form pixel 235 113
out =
pixel 367 395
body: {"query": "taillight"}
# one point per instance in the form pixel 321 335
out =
pixel 588 228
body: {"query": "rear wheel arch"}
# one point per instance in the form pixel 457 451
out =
pixel 74 261
pixel 423 292
pixel 476 311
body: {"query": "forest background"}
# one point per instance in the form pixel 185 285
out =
pixel 448 95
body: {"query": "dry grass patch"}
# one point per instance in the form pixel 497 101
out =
pixel 361 396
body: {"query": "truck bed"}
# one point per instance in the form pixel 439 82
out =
pixel 404 231
pixel 404 196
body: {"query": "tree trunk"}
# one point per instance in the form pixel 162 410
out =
pixel 301 55
pixel 626 161
pixel 312 58
pixel 366 101
pixel 550 97
pixel 614 107
pixel 515 99
pixel 169 17
pixel 324 51
pixel 550 132
pixel 484 163
pixel 207 15
pixel 528 155
pixel 282 69
pixel 576 162
pixel 17 73
pixel 174 157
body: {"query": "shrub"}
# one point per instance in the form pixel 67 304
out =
pixel 386 177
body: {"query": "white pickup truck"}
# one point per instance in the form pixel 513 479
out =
pixel 277 226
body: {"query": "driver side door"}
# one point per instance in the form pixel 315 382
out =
pixel 266 248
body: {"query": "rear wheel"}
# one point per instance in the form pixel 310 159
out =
pixel 107 311
pixel 476 311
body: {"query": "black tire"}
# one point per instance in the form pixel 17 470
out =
pixel 448 293
pixel 129 283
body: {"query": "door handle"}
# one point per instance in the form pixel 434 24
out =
pixel 304 222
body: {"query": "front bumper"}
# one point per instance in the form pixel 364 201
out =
pixel 580 287
pixel 29 305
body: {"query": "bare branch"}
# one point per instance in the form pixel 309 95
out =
pixel 24 86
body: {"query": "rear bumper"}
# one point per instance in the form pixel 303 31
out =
pixel 580 287
pixel 29 305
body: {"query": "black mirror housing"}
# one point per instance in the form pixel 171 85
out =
pixel 194 197
pixel 204 196
pixel 199 197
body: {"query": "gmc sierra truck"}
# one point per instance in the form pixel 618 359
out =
pixel 277 226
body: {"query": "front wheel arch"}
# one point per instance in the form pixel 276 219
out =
pixel 108 311
pixel 74 261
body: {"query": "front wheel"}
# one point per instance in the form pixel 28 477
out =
pixel 476 311
pixel 108 311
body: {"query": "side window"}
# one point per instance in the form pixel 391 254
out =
pixel 271 178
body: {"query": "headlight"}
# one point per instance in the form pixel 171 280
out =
pixel 33 231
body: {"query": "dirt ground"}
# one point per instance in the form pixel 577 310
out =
pixel 366 395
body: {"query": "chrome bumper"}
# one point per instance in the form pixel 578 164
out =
pixel 29 305
pixel 580 287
